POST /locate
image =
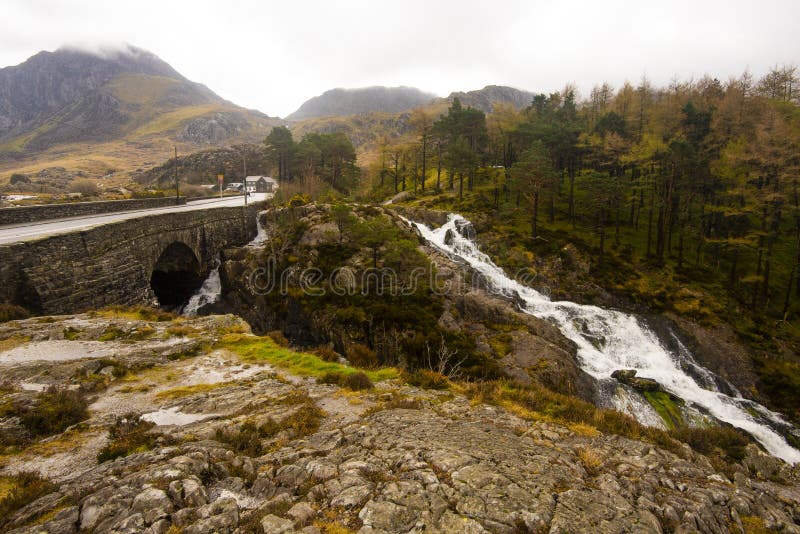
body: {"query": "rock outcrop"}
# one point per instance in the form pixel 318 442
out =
pixel 386 460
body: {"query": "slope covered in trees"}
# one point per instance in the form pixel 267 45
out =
pixel 687 196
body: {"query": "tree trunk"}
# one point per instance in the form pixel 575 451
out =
pixel 602 237
pixel 396 174
pixel 424 159
pixel 571 197
pixel 792 275
pixel 439 170
pixel 535 219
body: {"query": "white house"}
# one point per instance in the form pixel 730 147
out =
pixel 260 184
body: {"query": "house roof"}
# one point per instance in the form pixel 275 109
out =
pixel 251 179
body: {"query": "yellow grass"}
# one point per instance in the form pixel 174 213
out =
pixel 184 391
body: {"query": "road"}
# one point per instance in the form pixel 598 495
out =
pixel 26 232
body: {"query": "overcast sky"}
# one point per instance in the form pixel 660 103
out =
pixel 272 56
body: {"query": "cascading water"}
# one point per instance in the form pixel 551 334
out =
pixel 261 234
pixel 208 293
pixel 609 340
pixel 211 289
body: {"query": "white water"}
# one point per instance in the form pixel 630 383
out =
pixel 261 235
pixel 208 293
pixel 608 340
pixel 211 289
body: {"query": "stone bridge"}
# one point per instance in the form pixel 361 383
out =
pixel 157 258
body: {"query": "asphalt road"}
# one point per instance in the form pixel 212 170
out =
pixel 25 232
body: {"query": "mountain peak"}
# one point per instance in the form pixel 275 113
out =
pixel 485 99
pixel 342 101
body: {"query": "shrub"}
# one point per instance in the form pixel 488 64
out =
pixel 726 442
pixel 244 440
pixel 18 178
pixel 303 421
pixel 192 191
pixel 326 353
pixel 362 356
pixel 353 381
pixel 26 487
pixel 129 434
pixel 298 200
pixel 55 410
pixel 330 377
pixel 356 381
pixel 12 312
pixel 424 378
pixel 111 333
pixel 86 188
pixel 278 337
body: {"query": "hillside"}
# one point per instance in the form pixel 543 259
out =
pixel 96 114
pixel 486 98
pixel 203 166
pixel 366 129
pixel 363 100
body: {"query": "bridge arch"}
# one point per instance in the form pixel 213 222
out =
pixel 176 274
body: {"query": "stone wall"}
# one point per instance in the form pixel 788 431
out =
pixel 112 264
pixel 41 212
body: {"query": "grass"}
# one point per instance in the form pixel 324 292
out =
pixel 66 442
pixel 247 438
pixel 173 119
pixel 136 313
pixel 20 490
pixel 13 342
pixel 11 312
pixel 128 435
pixel 111 333
pixel 537 403
pixel 54 411
pixel 140 88
pixel 263 349
pixel 185 391
pixel 424 378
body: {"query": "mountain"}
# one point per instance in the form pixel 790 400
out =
pixel 123 107
pixel 365 129
pixel 337 102
pixel 486 98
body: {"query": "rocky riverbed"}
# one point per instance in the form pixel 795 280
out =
pixel 241 445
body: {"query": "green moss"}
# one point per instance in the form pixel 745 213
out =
pixel 71 334
pixel 111 333
pixel 666 406
pixel 263 349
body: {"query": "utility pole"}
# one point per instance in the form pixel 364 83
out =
pixel 244 162
pixel 177 193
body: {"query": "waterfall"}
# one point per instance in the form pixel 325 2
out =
pixel 261 235
pixel 208 293
pixel 609 340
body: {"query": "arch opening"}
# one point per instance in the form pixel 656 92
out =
pixel 176 275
